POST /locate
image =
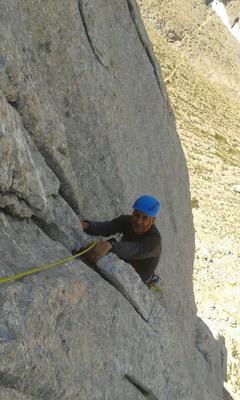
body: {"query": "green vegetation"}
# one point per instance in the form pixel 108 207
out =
pixel 195 203
pixel 220 139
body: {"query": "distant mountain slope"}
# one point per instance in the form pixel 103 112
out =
pixel 197 32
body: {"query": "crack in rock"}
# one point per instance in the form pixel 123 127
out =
pixel 53 164
pixel 144 44
pixel 147 393
pixel 120 288
pixel 15 205
pixel 84 22
pixel 14 104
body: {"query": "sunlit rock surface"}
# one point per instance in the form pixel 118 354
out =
pixel 86 126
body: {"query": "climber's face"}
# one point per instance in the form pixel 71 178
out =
pixel 141 222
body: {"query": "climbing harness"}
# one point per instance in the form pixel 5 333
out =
pixel 46 266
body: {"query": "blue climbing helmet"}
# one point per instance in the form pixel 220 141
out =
pixel 148 205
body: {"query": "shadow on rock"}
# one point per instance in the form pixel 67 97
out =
pixel 226 395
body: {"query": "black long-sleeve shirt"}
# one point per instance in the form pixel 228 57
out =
pixel 141 251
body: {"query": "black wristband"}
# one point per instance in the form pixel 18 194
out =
pixel 112 241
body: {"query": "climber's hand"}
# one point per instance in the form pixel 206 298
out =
pixel 85 225
pixel 99 251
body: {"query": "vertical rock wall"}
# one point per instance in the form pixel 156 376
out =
pixel 85 127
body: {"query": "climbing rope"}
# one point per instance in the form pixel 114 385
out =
pixel 45 267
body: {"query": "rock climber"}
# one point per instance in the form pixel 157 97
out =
pixel 140 245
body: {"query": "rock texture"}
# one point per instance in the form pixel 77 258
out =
pixel 200 66
pixel 86 126
pixel 70 334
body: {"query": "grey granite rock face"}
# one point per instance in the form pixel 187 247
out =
pixel 68 333
pixel 86 126
pixel 10 394
pixel 214 354
pixel 26 183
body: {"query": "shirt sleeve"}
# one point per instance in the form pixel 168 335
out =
pixel 139 249
pixel 106 228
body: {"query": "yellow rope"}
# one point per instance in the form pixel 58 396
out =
pixel 45 266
